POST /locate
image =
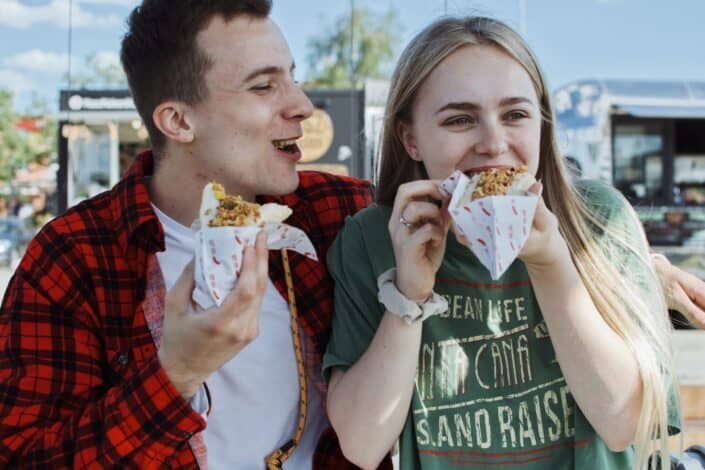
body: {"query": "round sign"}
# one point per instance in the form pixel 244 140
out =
pixel 317 137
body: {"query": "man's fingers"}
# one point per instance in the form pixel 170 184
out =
pixel 695 293
pixel 684 305
pixel 695 289
pixel 262 252
pixel 179 297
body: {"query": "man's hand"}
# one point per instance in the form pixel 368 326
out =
pixel 196 343
pixel 684 292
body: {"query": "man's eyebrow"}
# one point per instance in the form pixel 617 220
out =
pixel 467 106
pixel 269 70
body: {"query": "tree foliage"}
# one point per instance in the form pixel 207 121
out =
pixel 101 71
pixel 17 147
pixel 15 151
pixel 333 63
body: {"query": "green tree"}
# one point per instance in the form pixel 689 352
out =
pixel 43 143
pixel 15 150
pixel 101 71
pixel 333 63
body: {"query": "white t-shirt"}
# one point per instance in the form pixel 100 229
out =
pixel 255 396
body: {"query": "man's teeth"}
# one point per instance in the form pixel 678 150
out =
pixel 282 144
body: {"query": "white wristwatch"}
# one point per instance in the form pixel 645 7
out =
pixel 398 304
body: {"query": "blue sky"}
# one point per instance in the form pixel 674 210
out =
pixel 574 39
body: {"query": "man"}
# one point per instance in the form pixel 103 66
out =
pixel 99 366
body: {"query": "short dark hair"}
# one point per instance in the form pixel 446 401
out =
pixel 160 55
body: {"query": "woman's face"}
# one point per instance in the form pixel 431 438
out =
pixel 477 109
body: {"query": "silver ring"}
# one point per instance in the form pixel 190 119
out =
pixel 405 222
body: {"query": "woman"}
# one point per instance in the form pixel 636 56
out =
pixel 564 361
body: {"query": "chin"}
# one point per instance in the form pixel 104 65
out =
pixel 286 185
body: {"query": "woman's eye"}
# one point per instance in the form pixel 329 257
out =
pixel 516 115
pixel 459 121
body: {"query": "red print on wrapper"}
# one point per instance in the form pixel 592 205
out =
pixel 213 252
pixel 492 223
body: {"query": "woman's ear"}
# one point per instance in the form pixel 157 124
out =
pixel 173 120
pixel 408 139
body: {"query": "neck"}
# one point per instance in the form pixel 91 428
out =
pixel 175 188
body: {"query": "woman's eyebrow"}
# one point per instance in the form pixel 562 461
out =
pixel 468 106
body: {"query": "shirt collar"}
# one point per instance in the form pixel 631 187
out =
pixel 132 209
pixel 300 208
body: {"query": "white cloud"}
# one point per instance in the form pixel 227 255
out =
pixel 36 60
pixel 15 81
pixel 14 14
pixel 105 59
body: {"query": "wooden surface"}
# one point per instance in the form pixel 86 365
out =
pixel 689 349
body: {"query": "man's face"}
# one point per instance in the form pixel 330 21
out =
pixel 244 129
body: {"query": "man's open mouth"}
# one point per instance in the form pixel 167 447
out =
pixel 288 146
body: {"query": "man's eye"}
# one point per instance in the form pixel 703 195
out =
pixel 262 87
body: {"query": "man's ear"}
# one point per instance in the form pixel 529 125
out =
pixel 408 139
pixel 173 119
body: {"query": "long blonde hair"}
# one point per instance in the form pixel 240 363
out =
pixel 634 308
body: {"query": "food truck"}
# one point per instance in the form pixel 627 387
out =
pixel 647 139
pixel 100 132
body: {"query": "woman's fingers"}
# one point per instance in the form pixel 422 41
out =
pixel 419 191
pixel 418 212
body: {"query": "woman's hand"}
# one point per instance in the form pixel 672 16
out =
pixel 418 228
pixel 545 245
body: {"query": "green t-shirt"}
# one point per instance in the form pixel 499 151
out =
pixel 489 391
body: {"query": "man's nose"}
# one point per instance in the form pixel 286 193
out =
pixel 492 141
pixel 298 105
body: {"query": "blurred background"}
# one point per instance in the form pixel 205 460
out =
pixel 627 79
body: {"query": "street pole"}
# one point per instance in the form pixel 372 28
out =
pixel 352 43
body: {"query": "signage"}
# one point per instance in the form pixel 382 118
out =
pixel 317 137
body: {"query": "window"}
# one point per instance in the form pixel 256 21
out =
pixel 689 163
pixel 639 162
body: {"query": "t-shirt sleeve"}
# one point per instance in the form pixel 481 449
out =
pixel 620 219
pixel 357 310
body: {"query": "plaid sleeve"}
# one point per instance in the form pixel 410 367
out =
pixel 333 199
pixel 58 405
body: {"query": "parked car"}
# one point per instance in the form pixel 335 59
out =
pixel 14 237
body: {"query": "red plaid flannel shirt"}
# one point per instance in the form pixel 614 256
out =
pixel 80 383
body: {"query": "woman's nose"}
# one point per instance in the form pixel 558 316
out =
pixel 492 141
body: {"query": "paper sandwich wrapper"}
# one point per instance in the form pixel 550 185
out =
pixel 219 252
pixel 495 228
